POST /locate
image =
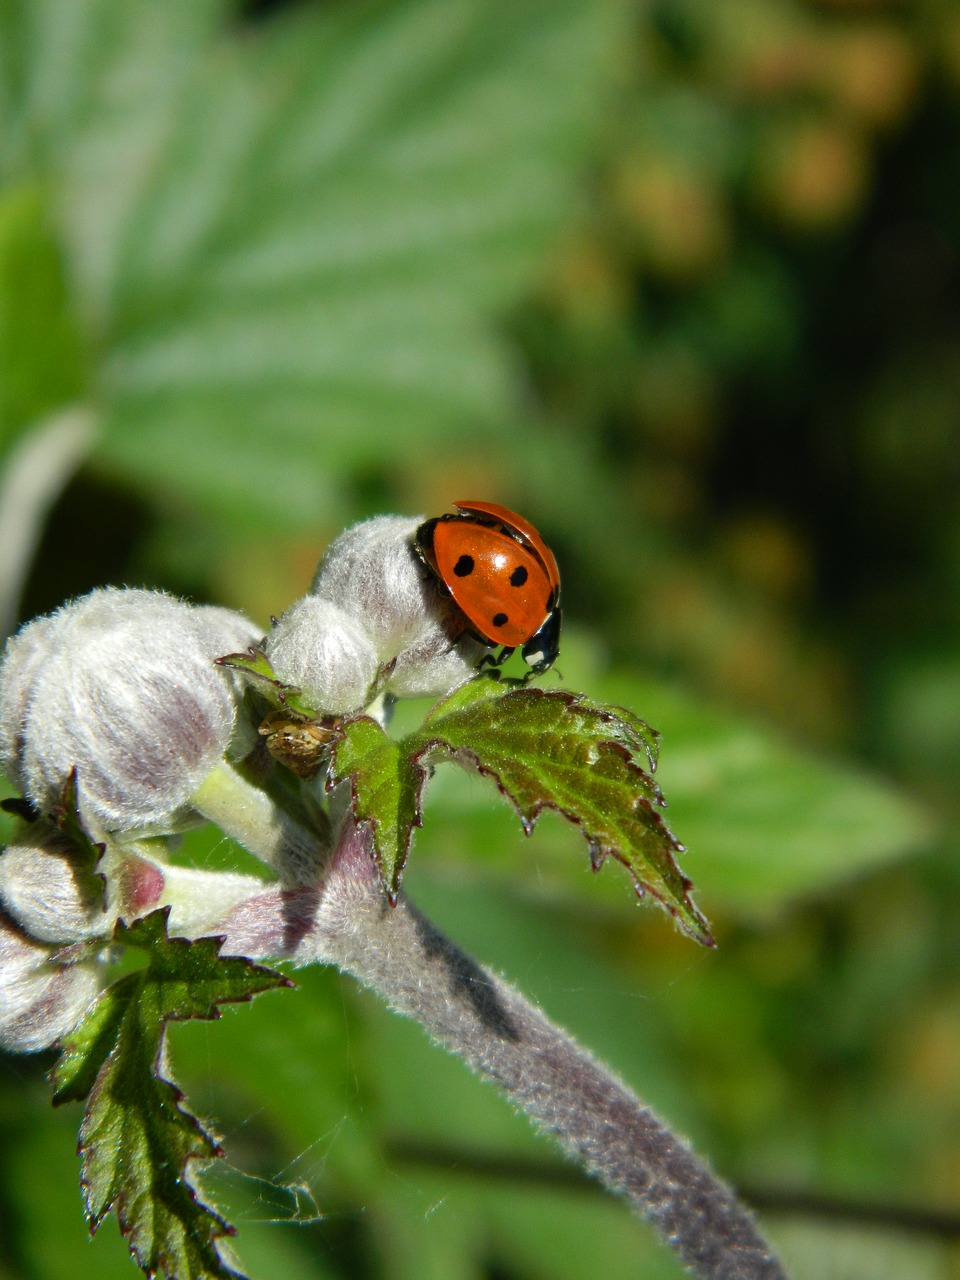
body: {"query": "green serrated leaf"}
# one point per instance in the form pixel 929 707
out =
pixel 489 684
pixel 86 853
pixel 85 1050
pixel 135 1142
pixel 187 979
pixel 387 786
pixel 256 665
pixel 556 750
pixel 137 1136
pixel 624 725
pixel 635 734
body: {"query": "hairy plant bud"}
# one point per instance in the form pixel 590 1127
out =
pixel 373 573
pixel 40 999
pixel 48 893
pixel 220 630
pixel 24 654
pixel 125 690
pixel 326 653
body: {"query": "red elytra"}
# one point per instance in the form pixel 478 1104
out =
pixel 501 575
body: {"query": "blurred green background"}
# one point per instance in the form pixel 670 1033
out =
pixel 679 281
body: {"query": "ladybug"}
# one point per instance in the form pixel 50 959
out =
pixel 501 575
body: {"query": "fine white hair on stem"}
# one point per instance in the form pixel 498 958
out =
pixel 398 953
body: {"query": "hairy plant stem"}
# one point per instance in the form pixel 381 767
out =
pixel 345 920
pixel 254 819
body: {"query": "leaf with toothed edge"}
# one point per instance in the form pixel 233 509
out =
pixel 255 664
pixel 387 784
pixel 544 750
pixel 85 853
pixel 137 1137
pixel 557 750
pixel 635 733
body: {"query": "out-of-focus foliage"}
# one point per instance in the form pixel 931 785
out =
pixel 41 365
pixel 681 282
pixel 761 325
pixel 281 241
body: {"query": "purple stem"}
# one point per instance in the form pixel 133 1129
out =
pixel 420 973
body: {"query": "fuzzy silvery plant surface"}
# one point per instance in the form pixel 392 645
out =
pixel 127 716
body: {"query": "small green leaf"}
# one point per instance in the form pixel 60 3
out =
pixel 86 852
pixel 556 750
pixel 544 750
pixel 137 1136
pixel 254 662
pixel 387 786
pixel 256 665
pixel 85 1050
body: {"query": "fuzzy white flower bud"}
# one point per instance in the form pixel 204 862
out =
pixel 324 652
pixel 432 666
pixel 125 690
pixel 373 573
pixel 39 1000
pixel 25 653
pixel 46 892
pixel 221 630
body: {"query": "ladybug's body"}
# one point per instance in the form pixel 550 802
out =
pixel 501 575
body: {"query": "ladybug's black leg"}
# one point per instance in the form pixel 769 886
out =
pixel 494 659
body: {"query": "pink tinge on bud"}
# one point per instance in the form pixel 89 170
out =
pixel 122 686
pixel 40 1000
pixel 372 573
pixel 140 886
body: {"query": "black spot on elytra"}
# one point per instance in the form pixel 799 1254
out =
pixel 464 567
pixel 519 576
pixel 500 619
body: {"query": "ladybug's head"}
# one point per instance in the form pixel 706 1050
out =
pixel 540 651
